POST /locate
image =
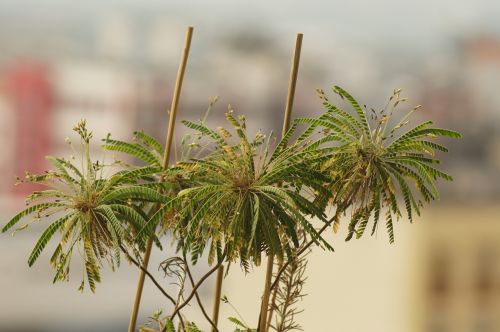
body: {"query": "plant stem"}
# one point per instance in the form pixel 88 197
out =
pixel 166 157
pixel 273 301
pixel 200 304
pixel 292 83
pixel 195 288
pixel 265 296
pixel 140 284
pixel 155 282
pixel 217 296
pixel 146 272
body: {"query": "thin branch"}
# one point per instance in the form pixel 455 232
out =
pixel 157 284
pixel 136 263
pixel 195 288
pixel 188 270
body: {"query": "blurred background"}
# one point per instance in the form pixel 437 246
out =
pixel 114 63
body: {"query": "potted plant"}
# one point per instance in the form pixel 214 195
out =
pixel 237 198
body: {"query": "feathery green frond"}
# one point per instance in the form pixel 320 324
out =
pixel 368 168
pixel 96 214
pixel 133 149
pixel 246 199
pixel 45 238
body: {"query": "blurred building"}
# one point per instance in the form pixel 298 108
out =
pixel 481 56
pixel 7 144
pixel 458 283
pixel 105 94
pixel 28 121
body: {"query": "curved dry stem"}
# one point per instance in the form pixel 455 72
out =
pixel 200 304
pixel 195 288
pixel 152 278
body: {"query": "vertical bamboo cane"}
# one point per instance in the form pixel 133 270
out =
pixel 218 291
pixel 166 157
pixel 286 124
pixel 273 299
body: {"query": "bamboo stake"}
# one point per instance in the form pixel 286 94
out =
pixel 273 299
pixel 286 125
pixel 217 295
pixel 265 298
pixel 166 157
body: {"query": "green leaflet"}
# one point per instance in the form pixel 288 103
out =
pixel 255 220
pixel 340 132
pixel 206 131
pixel 359 111
pixel 46 236
pixel 91 266
pixel 115 229
pixel 111 217
pixel 71 167
pixel 131 176
pixel 150 141
pixel 134 192
pixel 61 167
pixel 38 195
pixel 135 150
pixel 156 218
pixel 389 225
pixel 136 216
pixel 284 141
pixel 32 209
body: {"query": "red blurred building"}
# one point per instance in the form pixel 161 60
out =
pixel 30 96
